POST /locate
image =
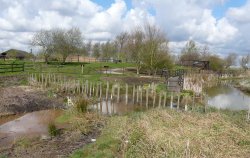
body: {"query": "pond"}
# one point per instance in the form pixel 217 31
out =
pixel 227 97
pixel 29 125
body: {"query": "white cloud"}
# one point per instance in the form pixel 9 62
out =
pixel 181 20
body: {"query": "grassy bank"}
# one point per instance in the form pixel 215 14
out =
pixel 167 133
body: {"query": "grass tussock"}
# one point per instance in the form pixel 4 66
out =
pixel 52 129
pixel 166 133
pixel 81 105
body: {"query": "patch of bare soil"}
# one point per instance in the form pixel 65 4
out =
pixel 21 99
pixel 135 80
pixel 60 146
pixel 7 81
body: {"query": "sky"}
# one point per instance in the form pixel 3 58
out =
pixel 222 25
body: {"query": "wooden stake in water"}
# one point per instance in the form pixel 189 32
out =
pixel 100 91
pixel 137 95
pixel 126 97
pixel 107 91
pixel 141 90
pixel 133 99
pixel 154 97
pixel 171 101
pixel 147 98
pixel 97 90
pixel 118 93
pixel 178 102
pixel 193 102
pixel 159 105
pixel 165 99
pixel 90 89
pixel 87 87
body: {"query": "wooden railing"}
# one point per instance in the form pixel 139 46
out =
pixel 4 68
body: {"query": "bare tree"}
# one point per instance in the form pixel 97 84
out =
pixel 135 47
pixel 121 41
pixel 44 39
pixel 67 42
pixel 155 49
pixel 108 49
pixel 245 61
pixel 205 52
pixel 190 52
pixel 97 50
pixel 230 60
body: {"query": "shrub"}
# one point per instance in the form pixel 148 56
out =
pixel 53 131
pixel 81 105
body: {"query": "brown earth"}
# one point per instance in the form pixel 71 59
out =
pixel 60 146
pixel 21 99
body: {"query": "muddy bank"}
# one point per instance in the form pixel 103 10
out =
pixel 243 85
pixel 22 99
pixel 60 146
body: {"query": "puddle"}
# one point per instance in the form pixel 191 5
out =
pixel 228 97
pixel 113 71
pixel 28 125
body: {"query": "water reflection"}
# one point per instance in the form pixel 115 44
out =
pixel 108 107
pixel 31 124
pixel 227 97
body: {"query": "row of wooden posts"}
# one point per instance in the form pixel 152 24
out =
pixel 143 95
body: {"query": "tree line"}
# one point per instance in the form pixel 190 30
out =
pixel 146 46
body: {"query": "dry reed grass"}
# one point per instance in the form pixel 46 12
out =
pixel 166 133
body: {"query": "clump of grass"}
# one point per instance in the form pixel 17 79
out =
pixel 81 105
pixel 87 122
pixel 52 130
pixel 23 142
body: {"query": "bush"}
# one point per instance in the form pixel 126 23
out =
pixel 53 131
pixel 82 105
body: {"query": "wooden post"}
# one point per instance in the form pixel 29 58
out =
pixel 186 107
pixel 147 97
pixel 118 93
pixel 154 97
pixel 137 94
pixel 90 89
pixel 87 87
pixel 141 91
pixel 165 99
pixel 97 90
pixel 178 102
pixel 171 101
pixel 82 87
pixel 100 91
pixel 193 101
pixel 42 81
pixel 112 93
pixel 159 105
pixel 133 94
pixel 107 91
pixel 126 97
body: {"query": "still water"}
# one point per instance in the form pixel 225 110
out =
pixel 29 125
pixel 228 97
